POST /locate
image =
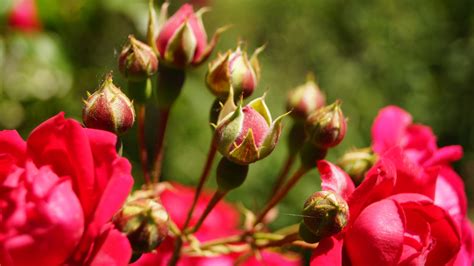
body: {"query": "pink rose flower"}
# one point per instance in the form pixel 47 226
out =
pixel 58 192
pixel 182 40
pixel 394 127
pixel 392 221
pixel 24 16
pixel 222 221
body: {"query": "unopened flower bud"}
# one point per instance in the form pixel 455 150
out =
pixel 357 162
pixel 182 40
pixel 234 69
pixel 137 61
pixel 108 109
pixel 305 99
pixel 326 127
pixel 325 214
pixel 144 221
pixel 247 134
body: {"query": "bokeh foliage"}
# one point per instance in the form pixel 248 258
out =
pixel 415 54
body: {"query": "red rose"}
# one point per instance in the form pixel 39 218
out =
pixel 392 220
pixel 58 192
pixel 393 127
pixel 222 221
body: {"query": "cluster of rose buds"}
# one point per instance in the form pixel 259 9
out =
pixel 389 185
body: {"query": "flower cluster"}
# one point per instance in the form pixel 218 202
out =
pixel 66 199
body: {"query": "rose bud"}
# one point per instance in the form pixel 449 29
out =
pixel 246 134
pixel 144 221
pixel 137 61
pixel 305 99
pixel 182 40
pixel 236 70
pixel 325 214
pixel 326 127
pixel 24 16
pixel 357 162
pixel 108 109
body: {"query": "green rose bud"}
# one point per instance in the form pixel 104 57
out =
pixel 357 162
pixel 325 214
pixel 144 220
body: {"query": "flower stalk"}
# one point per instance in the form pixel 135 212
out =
pixel 142 143
pixel 159 147
pixel 211 154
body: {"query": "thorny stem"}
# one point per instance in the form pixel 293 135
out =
pixel 211 154
pixel 284 172
pixel 142 142
pixel 159 147
pixel 281 193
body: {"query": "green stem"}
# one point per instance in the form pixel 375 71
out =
pixel 177 251
pixel 284 172
pixel 281 193
pixel 140 91
pixel 150 33
pixel 211 154
pixel 262 240
pixel 222 241
pixel 159 147
pixel 142 142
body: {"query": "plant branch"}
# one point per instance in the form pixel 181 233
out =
pixel 159 147
pixel 211 154
pixel 142 142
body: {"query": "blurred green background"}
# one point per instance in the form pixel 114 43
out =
pixel 415 54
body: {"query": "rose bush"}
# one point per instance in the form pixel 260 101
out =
pixel 222 221
pixel 58 192
pixel 409 210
